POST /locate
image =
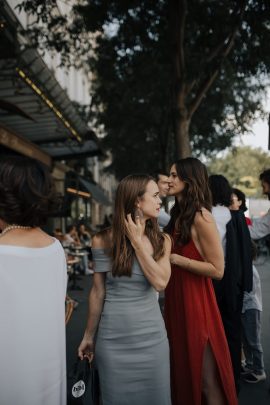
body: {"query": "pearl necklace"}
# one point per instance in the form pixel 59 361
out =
pixel 10 227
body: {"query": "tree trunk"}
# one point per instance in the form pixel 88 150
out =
pixel 182 88
pixel 182 124
pixel 178 13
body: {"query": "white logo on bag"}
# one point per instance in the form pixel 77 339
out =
pixel 78 389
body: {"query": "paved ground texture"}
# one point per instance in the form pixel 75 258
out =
pixel 250 394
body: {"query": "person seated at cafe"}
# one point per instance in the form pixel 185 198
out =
pixel 84 235
pixel 58 234
pixel 71 237
pixel 86 241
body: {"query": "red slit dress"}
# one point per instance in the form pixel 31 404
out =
pixel 192 320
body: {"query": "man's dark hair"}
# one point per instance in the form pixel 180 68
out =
pixel 158 173
pixel 27 195
pixel 220 189
pixel 265 176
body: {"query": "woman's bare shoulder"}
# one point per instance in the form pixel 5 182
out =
pixel 202 217
pixel 167 239
pixel 102 239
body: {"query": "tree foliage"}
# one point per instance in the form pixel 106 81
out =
pixel 166 73
pixel 242 167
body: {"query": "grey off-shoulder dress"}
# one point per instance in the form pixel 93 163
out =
pixel 132 351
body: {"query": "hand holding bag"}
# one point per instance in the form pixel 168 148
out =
pixel 83 384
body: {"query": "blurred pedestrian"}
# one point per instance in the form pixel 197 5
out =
pixel 84 236
pixel 238 202
pixel 32 288
pixel 253 365
pixel 71 238
pixel 85 240
pixel 237 278
pixel 58 234
pixel 261 226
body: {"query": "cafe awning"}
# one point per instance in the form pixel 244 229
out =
pixel 33 105
pixel 96 192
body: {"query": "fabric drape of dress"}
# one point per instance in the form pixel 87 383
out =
pixel 193 320
pixel 32 316
pixel 132 351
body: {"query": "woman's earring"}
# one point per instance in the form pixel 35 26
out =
pixel 138 213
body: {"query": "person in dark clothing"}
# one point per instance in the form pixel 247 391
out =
pixel 237 278
pixel 239 203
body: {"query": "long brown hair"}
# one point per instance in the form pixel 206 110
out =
pixel 195 196
pixel 129 190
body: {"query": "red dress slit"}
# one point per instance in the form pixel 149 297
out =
pixel 192 319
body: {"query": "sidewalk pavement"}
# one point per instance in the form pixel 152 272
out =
pixel 250 394
pixel 257 394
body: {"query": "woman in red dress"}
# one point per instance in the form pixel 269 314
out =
pixel 201 369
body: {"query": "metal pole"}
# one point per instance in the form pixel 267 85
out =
pixel 77 199
pixel 269 132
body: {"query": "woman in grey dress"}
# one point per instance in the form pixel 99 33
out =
pixel 125 328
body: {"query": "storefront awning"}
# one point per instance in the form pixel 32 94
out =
pixel 70 149
pixel 33 105
pixel 96 192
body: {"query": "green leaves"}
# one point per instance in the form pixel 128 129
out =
pixel 242 167
pixel 131 48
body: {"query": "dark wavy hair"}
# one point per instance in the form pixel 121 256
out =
pixel 27 194
pixel 129 190
pixel 195 196
pixel 265 176
pixel 241 197
pixel 220 189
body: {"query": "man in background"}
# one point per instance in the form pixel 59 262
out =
pixel 162 181
pixel 261 226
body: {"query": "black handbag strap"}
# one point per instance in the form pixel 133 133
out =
pixel 77 363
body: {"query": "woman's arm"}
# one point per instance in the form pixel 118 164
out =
pixel 206 235
pixel 96 301
pixel 157 272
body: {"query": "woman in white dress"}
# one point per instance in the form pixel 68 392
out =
pixel 32 289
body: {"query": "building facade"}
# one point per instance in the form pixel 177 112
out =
pixel 39 118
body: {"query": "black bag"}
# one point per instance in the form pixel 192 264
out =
pixel 83 384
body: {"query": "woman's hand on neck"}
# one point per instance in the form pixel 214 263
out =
pixel 135 230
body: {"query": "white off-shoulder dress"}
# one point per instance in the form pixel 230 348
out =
pixel 132 351
pixel 32 319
